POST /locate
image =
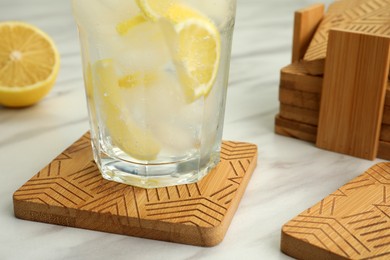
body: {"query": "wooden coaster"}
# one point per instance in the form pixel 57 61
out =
pixel 295 129
pixel 299 98
pixel 363 16
pixel 308 116
pixel 296 77
pixel 71 192
pixel 303 90
pixel 353 93
pixel 307 132
pixel 351 223
pixel 306 21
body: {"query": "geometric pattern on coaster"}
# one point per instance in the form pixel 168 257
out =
pixel 70 191
pixel 364 16
pixel 351 223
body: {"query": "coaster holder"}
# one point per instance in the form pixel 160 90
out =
pixel 347 109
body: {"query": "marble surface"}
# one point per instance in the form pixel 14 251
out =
pixel 291 175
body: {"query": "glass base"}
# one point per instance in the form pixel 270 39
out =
pixel 156 175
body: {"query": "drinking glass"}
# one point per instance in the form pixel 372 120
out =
pixel 155 74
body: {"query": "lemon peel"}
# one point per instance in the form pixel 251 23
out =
pixel 125 134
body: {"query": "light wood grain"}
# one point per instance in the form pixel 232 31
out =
pixel 353 93
pixel 386 113
pixel 308 100
pixel 384 150
pixel 71 192
pixel 307 132
pixel 364 16
pixel 295 77
pixel 351 223
pixel 299 98
pixel 385 133
pixel 298 93
pixel 306 21
pixel 299 114
pixel 308 116
pixel 295 129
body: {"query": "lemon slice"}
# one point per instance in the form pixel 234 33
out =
pixel 123 27
pixel 198 57
pixel 125 134
pixel 155 9
pixel 29 64
pixel 198 48
pixel 138 79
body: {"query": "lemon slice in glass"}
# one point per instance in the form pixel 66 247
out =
pixel 198 49
pixel 137 78
pixel 123 27
pixel 29 64
pixel 155 9
pixel 197 57
pixel 133 140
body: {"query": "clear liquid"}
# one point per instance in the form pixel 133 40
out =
pixel 145 131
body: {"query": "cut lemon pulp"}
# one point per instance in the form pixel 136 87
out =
pixel 123 27
pixel 155 9
pixel 197 51
pixel 138 79
pixel 29 64
pixel 197 57
pixel 125 134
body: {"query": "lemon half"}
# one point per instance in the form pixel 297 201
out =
pixel 29 64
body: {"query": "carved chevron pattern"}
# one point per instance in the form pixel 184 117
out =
pixel 236 150
pixel 366 16
pixel 197 211
pixel 353 222
pixel 71 190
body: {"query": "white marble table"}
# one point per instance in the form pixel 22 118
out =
pixel 291 176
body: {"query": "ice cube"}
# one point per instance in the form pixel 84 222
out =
pixel 98 19
pixel 176 140
pixel 154 97
pixel 98 14
pixel 143 48
pixel 164 98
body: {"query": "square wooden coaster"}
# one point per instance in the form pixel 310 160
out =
pixel 353 93
pixel 351 223
pixel 71 192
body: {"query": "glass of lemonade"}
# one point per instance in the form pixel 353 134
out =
pixel 156 74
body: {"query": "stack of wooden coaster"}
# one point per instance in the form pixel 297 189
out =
pixel 336 92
